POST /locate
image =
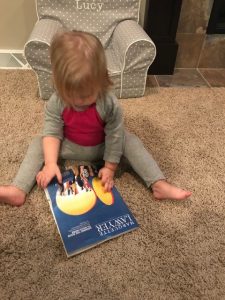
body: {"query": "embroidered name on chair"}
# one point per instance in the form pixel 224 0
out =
pixel 95 6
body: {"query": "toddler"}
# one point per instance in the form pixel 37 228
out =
pixel 83 121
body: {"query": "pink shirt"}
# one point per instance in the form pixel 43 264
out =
pixel 84 128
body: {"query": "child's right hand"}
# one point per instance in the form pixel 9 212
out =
pixel 47 173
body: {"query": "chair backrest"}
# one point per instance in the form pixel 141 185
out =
pixel 99 17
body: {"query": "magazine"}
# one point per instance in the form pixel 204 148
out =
pixel 84 213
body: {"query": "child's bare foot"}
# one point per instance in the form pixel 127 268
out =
pixel 163 190
pixel 12 195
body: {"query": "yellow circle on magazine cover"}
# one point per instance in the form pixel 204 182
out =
pixel 76 204
pixel 106 197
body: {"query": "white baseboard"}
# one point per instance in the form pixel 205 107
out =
pixel 12 59
pixel 11 51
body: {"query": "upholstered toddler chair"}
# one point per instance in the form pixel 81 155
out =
pixel 129 50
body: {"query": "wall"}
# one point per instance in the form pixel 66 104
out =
pixel 196 48
pixel 142 12
pixel 18 18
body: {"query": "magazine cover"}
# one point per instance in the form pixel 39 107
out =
pixel 84 214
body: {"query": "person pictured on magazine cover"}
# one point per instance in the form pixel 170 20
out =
pixel 84 173
pixel 80 178
pixel 83 121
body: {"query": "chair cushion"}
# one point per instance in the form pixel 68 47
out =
pixel 96 16
pixel 113 65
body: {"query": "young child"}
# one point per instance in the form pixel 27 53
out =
pixel 83 121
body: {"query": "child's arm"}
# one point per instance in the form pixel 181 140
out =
pixel 51 147
pixel 107 174
pixel 52 136
pixel 114 130
pixel 53 123
pixel 111 113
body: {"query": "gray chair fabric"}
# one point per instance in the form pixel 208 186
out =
pixel 129 50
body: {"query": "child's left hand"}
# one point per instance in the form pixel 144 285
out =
pixel 106 176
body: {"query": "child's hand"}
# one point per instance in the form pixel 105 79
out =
pixel 47 173
pixel 106 176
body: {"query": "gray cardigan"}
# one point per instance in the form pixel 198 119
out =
pixel 109 111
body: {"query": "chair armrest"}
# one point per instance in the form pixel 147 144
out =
pixel 132 46
pixel 40 40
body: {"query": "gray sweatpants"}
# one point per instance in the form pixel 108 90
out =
pixel 134 151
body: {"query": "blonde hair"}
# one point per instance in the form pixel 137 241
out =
pixel 78 65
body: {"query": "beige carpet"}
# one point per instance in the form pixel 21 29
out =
pixel 179 250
